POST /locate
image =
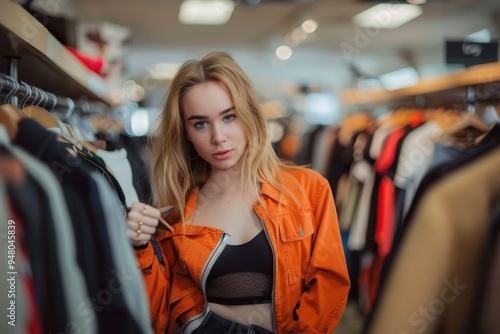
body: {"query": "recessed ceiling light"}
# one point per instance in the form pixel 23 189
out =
pixel 387 16
pixel 309 26
pixel 283 52
pixel 212 12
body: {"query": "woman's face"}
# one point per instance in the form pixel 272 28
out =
pixel 213 127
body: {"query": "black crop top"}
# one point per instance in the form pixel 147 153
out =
pixel 243 274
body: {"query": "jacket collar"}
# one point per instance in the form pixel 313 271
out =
pixel 270 191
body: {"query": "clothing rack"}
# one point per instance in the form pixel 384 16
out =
pixel 31 95
pixel 466 89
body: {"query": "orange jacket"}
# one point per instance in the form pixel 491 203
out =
pixel 311 282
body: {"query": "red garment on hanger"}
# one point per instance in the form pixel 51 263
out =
pixel 385 213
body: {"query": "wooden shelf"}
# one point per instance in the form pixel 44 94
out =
pixel 43 61
pixel 449 85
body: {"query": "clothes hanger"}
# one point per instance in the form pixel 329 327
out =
pixel 356 122
pixel 45 118
pixel 38 114
pixel 397 118
pixel 48 119
pixel 10 115
pixel 76 135
pixel 445 118
pixel 11 170
pixel 9 119
pixel 353 124
pixel 466 131
pixel 76 132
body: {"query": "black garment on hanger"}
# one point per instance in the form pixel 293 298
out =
pixel 100 166
pixel 31 203
pixel 355 256
pixel 339 162
pixel 88 221
pixel 304 155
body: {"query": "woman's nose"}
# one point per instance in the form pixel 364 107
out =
pixel 218 135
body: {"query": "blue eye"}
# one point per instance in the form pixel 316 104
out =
pixel 200 124
pixel 229 118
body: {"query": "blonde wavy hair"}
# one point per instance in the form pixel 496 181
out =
pixel 175 172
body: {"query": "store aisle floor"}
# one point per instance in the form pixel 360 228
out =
pixel 351 322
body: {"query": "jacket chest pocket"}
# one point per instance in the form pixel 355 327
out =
pixel 296 232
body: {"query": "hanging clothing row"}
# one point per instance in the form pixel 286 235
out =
pixel 378 170
pixel 441 273
pixel 65 197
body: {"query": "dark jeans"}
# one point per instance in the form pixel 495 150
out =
pixel 215 324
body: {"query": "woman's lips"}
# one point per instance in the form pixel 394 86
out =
pixel 221 155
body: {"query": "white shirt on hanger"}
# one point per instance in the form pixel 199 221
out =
pixel 117 162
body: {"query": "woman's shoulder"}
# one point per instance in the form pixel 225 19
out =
pixel 305 176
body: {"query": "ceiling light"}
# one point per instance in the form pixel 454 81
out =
pixel 133 90
pixel 416 2
pixel 322 108
pixel 139 122
pixel 309 26
pixel 404 77
pixel 283 52
pixel 163 71
pixel 387 16
pixel 481 36
pixel 212 12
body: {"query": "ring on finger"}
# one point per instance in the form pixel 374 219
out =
pixel 139 231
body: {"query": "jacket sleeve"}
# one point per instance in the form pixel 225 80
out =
pixel 327 280
pixel 158 281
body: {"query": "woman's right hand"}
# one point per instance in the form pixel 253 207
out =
pixel 142 220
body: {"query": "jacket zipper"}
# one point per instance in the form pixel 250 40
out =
pixel 192 324
pixel 275 327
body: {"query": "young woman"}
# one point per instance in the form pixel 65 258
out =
pixel 255 246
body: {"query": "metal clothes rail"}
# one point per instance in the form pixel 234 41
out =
pixel 12 89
